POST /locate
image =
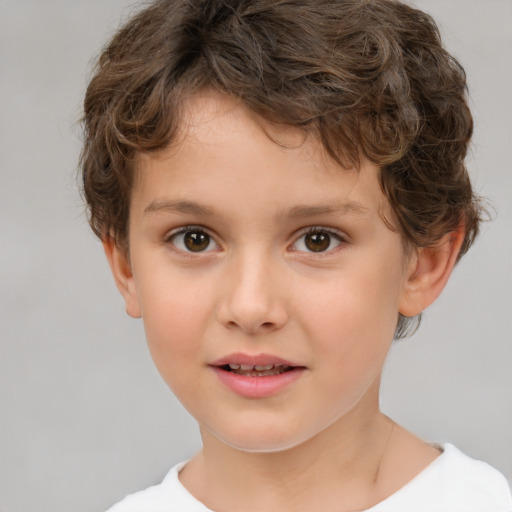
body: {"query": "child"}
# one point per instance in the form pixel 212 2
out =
pixel 280 189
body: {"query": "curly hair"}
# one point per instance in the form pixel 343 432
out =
pixel 368 78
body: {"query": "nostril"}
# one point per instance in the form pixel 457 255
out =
pixel 251 316
pixel 264 325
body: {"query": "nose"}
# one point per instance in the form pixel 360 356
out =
pixel 252 299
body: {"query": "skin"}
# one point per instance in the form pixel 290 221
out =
pixel 257 288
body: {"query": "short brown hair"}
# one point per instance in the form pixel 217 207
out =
pixel 367 77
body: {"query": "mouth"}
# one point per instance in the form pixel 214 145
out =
pixel 257 376
pixel 248 370
pixel 261 365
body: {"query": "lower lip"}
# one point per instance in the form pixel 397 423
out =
pixel 258 387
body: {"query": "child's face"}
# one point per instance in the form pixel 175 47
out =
pixel 247 252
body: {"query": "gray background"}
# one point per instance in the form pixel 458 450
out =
pixel 84 417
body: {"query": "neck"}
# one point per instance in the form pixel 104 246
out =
pixel 340 465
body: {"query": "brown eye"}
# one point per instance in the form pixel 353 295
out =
pixel 193 240
pixel 317 242
pixel 196 241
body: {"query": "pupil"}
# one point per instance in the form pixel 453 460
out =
pixel 318 242
pixel 196 241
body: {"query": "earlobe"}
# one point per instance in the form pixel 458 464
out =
pixel 428 273
pixel 123 277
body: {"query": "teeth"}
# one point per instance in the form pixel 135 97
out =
pixel 249 367
pixel 264 368
pixel 249 370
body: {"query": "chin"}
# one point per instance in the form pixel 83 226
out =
pixel 265 439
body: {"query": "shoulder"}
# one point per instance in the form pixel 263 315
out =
pixel 475 480
pixel 453 482
pixel 168 496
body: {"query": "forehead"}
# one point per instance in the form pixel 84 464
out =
pixel 206 111
pixel 223 149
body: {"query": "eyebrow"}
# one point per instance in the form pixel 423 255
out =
pixel 185 207
pixel 300 211
pixel 350 207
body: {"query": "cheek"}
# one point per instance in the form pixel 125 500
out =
pixel 352 320
pixel 174 315
pixel 355 305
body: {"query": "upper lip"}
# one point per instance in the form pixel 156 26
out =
pixel 253 360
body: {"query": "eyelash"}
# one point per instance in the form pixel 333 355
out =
pixel 171 239
pixel 333 235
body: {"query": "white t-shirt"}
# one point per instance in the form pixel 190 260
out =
pixel 451 483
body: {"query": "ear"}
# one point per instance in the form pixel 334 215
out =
pixel 428 273
pixel 123 277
